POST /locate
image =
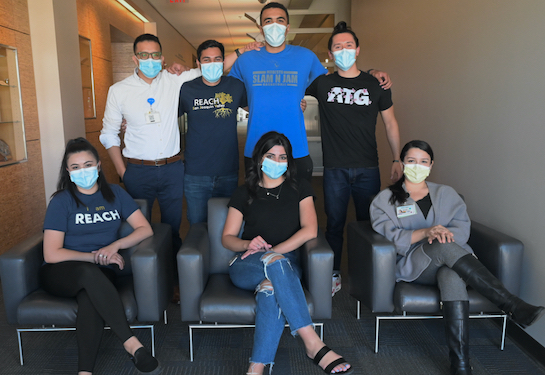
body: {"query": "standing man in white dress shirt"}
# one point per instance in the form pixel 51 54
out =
pixel 148 101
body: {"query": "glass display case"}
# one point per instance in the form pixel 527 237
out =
pixel 12 130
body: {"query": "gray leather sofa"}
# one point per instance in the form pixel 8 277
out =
pixel 206 291
pixel 142 284
pixel 371 268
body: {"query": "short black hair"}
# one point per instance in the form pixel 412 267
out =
pixel 146 38
pixel 274 5
pixel 341 28
pixel 210 44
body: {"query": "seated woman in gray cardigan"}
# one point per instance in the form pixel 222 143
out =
pixel 429 225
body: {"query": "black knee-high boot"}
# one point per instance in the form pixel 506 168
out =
pixel 475 274
pixel 456 314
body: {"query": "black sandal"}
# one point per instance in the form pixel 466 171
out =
pixel 321 353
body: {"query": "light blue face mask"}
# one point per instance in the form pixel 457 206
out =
pixel 150 67
pixel 345 58
pixel 85 178
pixel 275 34
pixel 273 169
pixel 212 72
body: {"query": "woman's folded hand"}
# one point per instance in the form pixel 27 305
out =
pixel 439 233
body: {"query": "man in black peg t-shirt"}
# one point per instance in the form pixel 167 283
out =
pixel 349 103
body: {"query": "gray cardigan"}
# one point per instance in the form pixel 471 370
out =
pixel 448 209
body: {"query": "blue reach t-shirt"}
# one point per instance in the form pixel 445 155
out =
pixel 276 83
pixel 94 224
pixel 211 140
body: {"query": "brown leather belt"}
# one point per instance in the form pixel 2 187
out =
pixel 157 162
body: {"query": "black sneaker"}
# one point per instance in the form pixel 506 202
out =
pixel 145 362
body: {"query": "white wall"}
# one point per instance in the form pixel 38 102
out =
pixel 57 71
pixel 469 78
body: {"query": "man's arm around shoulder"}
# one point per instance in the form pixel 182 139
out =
pixel 392 133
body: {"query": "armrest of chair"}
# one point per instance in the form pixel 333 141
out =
pixel 19 270
pixel 500 253
pixel 150 262
pixel 193 270
pixel 317 265
pixel 371 267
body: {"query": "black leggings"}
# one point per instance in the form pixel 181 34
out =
pixel 98 302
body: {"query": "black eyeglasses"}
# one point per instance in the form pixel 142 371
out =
pixel 146 55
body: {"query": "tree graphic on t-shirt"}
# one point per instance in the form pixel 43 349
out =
pixel 223 98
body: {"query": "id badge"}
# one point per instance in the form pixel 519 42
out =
pixel 153 117
pixel 404 211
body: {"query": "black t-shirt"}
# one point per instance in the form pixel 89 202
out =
pixel 275 220
pixel 212 143
pixel 348 116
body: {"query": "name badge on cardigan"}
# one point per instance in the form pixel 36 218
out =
pixel 404 211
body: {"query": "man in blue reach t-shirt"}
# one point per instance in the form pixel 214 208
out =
pixel 276 78
pixel 211 156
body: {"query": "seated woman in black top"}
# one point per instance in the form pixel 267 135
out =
pixel 81 246
pixel 279 217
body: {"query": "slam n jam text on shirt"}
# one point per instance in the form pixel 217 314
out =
pixel 275 78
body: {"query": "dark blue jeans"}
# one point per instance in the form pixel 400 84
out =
pixel 339 184
pixel 199 189
pixel 166 183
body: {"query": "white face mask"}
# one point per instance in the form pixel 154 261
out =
pixel 275 34
pixel 416 173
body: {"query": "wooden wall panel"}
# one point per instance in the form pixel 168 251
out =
pixel 15 15
pixel 22 199
pixel 28 88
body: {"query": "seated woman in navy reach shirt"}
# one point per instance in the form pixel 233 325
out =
pixel 81 247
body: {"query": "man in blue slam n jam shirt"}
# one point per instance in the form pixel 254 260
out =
pixel 211 156
pixel 276 78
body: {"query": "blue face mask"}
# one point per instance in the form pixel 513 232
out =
pixel 275 34
pixel 150 67
pixel 85 178
pixel 345 58
pixel 212 72
pixel 273 169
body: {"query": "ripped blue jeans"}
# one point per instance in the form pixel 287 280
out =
pixel 285 301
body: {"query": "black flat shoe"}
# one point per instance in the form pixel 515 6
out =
pixel 145 362
pixel 321 353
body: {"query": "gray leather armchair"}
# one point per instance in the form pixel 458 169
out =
pixel 207 293
pixel 142 284
pixel 371 269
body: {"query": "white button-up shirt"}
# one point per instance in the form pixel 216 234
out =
pixel 130 99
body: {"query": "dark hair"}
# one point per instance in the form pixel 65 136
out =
pixel 341 28
pixel 255 175
pixel 73 147
pixel 146 38
pixel 210 44
pixel 274 5
pixel 399 195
